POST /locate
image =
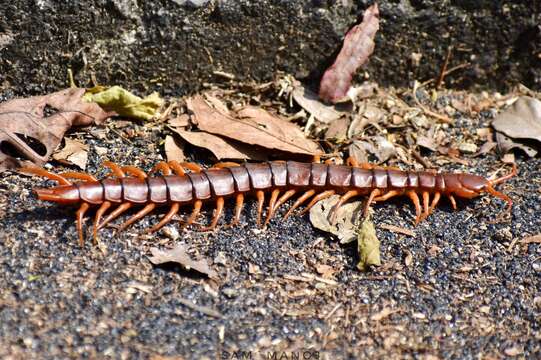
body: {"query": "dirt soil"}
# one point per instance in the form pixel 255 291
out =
pixel 461 287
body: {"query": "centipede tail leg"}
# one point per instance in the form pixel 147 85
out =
pixel 272 203
pixel 299 202
pixel 217 213
pixel 167 218
pixel 196 210
pixel 140 214
pixel 341 201
pixel 80 215
pixel 500 195
pixel 260 195
pixel 99 213
pixel 239 203
pixel 78 176
pixel 373 195
pixel 318 197
pixel 119 210
pixel 415 199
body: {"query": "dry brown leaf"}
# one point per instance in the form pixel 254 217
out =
pixel 506 144
pixel 254 126
pixel 180 121
pixel 310 102
pixel 358 46
pixel 531 239
pixel 338 129
pixel 74 152
pixel 427 143
pixel 368 115
pixel 179 255
pixel 358 151
pixel 174 150
pixel 521 122
pixel 23 122
pixel 344 227
pixel 220 147
pixel 384 149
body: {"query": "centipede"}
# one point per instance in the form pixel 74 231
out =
pixel 174 185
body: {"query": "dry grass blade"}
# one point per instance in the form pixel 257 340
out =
pixel 253 126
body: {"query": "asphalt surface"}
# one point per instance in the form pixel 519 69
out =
pixel 460 288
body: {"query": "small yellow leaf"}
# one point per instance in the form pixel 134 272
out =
pixel 367 245
pixel 124 103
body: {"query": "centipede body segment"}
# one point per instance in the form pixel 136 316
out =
pixel 175 185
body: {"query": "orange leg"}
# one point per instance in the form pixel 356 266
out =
pixel 217 214
pixel 164 168
pixel 260 202
pixel 388 195
pixel 351 161
pixel 224 164
pixel 299 202
pixel 135 172
pixel 426 201
pixel 174 209
pixel 80 215
pixel 288 194
pixel 318 197
pixel 453 201
pixel 78 176
pixel 341 201
pixel 191 166
pixel 99 213
pixel 435 202
pixel 415 199
pixel 44 173
pixel 119 210
pixel 373 194
pixel 141 214
pixel 316 158
pixel 239 202
pixel 498 194
pixel 115 169
pixel 196 210
pixel 272 204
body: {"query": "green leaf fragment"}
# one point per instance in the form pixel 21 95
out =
pixel 124 103
pixel 367 245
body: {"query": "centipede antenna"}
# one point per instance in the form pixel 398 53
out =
pixel 505 177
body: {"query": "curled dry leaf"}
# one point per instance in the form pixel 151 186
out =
pixel 358 46
pixel 344 227
pixel 74 152
pixel 310 102
pixel 179 255
pixel 252 126
pixel 520 122
pixel 368 245
pixel 174 150
pixel 28 132
pixel 220 147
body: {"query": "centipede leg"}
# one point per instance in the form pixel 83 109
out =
pixel 287 195
pixel 299 202
pixel 172 211
pixel 141 214
pixel 272 203
pixel 44 173
pixel 453 201
pixel 373 195
pixel 99 213
pixel 191 166
pixel 388 195
pixel 318 197
pixel 224 164
pixel 115 169
pixel 435 201
pixel 426 201
pixel 80 215
pixel 239 202
pixel 165 168
pixel 333 213
pixel 500 195
pixel 134 171
pixel 217 213
pixel 260 195
pixel 415 199
pixel 196 209
pixel 78 176
pixel 119 210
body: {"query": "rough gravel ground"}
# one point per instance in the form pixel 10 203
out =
pixel 461 288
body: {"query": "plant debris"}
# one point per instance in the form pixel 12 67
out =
pixel 367 245
pixel 74 152
pixel 252 126
pixel 174 150
pixel 519 123
pixel 31 128
pixel 358 46
pixel 124 103
pixel 344 226
pixel 179 255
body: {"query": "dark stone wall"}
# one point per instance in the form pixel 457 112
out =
pixel 174 46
